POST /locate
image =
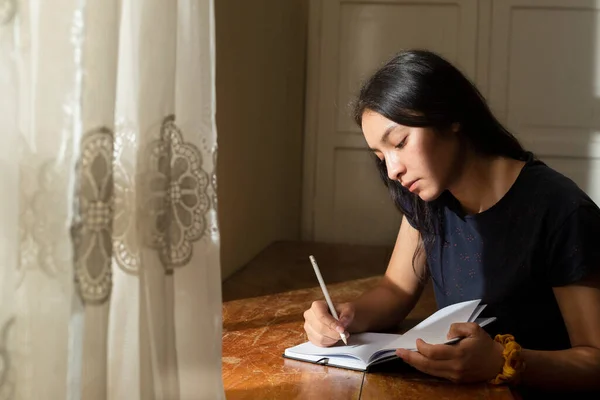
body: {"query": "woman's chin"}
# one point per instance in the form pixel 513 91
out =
pixel 428 195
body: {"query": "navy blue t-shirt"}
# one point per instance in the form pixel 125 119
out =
pixel 544 232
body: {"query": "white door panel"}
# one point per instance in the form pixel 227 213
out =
pixel 545 81
pixel 350 203
pixel 372 33
pixel 359 197
pixel 536 61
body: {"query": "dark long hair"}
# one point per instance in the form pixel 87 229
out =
pixel 418 88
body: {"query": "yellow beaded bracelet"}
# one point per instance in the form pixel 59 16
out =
pixel 513 362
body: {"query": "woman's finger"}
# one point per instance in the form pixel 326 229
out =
pixel 441 368
pixel 317 338
pixel 437 351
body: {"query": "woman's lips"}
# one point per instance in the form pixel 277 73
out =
pixel 411 186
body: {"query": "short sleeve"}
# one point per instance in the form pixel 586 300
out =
pixel 574 248
pixel 411 220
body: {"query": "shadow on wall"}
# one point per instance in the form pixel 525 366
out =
pixel 260 83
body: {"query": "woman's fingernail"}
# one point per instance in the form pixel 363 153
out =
pixel 339 328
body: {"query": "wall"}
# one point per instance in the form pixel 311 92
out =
pixel 260 81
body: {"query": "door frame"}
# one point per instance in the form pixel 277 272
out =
pixel 311 111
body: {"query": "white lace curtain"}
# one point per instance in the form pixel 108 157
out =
pixel 109 245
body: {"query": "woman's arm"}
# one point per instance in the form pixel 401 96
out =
pixel 578 367
pixel 383 306
pixel 478 358
pixel 396 294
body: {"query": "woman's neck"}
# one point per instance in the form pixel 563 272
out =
pixel 483 181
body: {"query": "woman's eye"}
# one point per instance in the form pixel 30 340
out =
pixel 401 144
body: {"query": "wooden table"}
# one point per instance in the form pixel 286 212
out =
pixel 256 330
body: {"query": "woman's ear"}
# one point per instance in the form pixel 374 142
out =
pixel 455 127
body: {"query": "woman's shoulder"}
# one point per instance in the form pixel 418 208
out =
pixel 558 194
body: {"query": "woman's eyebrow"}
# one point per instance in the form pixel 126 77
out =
pixel 386 134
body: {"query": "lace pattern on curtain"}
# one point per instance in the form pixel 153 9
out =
pixel 92 231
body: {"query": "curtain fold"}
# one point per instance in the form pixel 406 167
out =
pixel 109 245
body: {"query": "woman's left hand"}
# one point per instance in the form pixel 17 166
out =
pixel 477 357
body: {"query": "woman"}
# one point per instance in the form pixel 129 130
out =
pixel 484 219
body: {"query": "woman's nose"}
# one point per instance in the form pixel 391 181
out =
pixel 395 169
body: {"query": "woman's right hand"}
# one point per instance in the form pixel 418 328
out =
pixel 322 329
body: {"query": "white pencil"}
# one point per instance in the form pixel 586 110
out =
pixel 326 294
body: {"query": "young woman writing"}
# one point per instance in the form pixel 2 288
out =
pixel 482 218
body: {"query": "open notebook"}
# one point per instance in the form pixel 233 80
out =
pixel 367 349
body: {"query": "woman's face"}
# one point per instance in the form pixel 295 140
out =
pixel 422 160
